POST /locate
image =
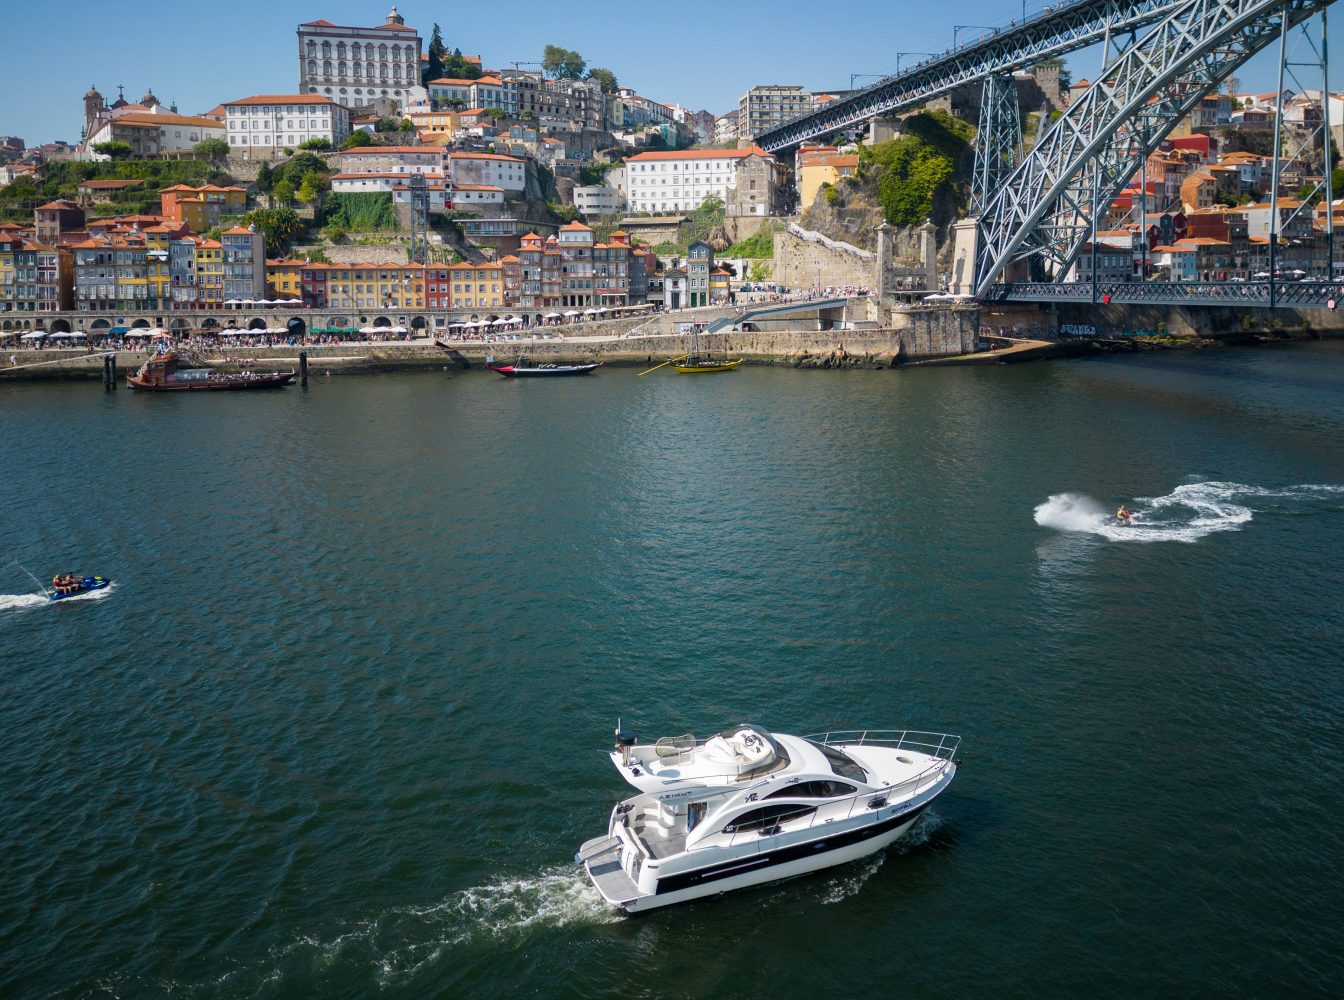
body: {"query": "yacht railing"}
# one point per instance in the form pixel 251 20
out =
pixel 846 807
pixel 943 745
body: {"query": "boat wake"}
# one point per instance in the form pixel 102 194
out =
pixel 19 602
pixel 13 602
pixel 1186 514
pixel 846 881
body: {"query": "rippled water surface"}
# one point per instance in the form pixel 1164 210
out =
pixel 336 729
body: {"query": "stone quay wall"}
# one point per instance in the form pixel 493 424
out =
pixel 915 334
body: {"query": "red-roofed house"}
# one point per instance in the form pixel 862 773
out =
pixel 262 125
pixel 746 179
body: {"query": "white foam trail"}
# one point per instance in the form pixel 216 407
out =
pixel 1186 514
pixel 10 602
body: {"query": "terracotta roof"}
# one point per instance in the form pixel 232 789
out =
pixel 483 156
pixel 391 149
pixel 59 205
pixel 575 227
pixel 157 119
pixel 701 154
pixel 281 99
pixel 239 231
pixel 218 109
pixel 452 81
pixel 508 259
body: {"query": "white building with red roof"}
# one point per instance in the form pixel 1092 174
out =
pixel 678 181
pixel 266 123
pixel 356 66
pixel 490 169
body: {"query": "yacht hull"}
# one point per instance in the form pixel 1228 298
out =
pixel 770 865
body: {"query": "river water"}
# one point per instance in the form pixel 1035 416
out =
pixel 336 729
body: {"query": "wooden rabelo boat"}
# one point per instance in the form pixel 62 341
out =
pixel 694 364
pixel 526 368
pixel 161 374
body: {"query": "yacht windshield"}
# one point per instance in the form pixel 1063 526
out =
pixel 842 765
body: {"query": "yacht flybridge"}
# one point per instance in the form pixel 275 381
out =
pixel 747 806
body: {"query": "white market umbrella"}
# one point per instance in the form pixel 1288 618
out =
pixel 552 315
pixel 35 335
pixel 1260 274
pixel 232 302
pixel 399 329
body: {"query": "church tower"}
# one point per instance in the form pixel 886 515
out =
pixel 395 18
pixel 94 109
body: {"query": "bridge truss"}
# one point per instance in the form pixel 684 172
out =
pixel 1050 205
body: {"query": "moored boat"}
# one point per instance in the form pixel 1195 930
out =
pixel 747 806
pixel 698 364
pixel 525 368
pixel 161 373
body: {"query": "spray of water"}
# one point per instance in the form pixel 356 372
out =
pixel 1186 514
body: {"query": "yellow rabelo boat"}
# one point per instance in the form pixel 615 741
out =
pixel 694 364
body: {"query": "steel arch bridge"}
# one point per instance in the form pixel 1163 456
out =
pixel 1160 57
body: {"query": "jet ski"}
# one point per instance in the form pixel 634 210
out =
pixel 65 585
pixel 1122 517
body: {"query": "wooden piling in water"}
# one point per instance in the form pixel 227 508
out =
pixel 303 367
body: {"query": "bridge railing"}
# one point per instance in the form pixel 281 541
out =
pixel 1306 294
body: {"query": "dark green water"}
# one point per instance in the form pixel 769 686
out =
pixel 336 731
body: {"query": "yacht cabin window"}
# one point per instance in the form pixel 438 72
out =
pixel 841 763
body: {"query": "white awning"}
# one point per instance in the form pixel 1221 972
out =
pixel 35 335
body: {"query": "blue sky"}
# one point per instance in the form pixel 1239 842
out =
pixel 199 55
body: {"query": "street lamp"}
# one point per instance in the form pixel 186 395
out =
pixel 901 55
pixel 855 76
pixel 956 29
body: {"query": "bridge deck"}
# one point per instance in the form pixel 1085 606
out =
pixel 1259 294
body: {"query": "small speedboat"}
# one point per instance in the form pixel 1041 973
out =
pixel 69 585
pixel 747 806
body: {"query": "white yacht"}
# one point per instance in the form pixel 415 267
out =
pixel 747 806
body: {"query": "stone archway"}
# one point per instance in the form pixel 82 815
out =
pixel 6 325
pixel 256 323
pixel 297 327
pixel 178 325
pixel 419 322
pixel 140 324
pixel 340 322
pixel 100 324
pixel 209 323
pixel 55 326
pixel 382 321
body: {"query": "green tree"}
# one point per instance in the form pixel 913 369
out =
pixel 760 271
pixel 317 256
pixel 116 149
pixel 265 178
pixel 360 138
pixel 562 211
pixel 335 233
pixel 279 226
pixel 211 150
pixel 565 64
pixel 605 78
pixel 391 124
pixel 282 193
pixel 309 188
pixel 458 67
pixel 317 143
pixel 496 114
pixel 1337 183
pixel 433 69
pixel 911 171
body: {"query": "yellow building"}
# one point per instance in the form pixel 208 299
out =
pixel 8 284
pixel 434 124
pixel 210 272
pixel 822 166
pixel 718 285
pixel 158 240
pixel 284 279
pixel 376 287
pixel 477 286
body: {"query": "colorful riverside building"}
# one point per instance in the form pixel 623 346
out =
pixel 477 286
pixel 244 252
pixel 34 277
pixel 365 287
pixel 284 278
pixel 538 273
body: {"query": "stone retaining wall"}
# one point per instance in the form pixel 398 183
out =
pixel 805 263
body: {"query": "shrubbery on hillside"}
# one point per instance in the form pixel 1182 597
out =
pixel 909 172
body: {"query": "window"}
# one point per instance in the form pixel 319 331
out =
pixel 841 764
pixel 768 818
